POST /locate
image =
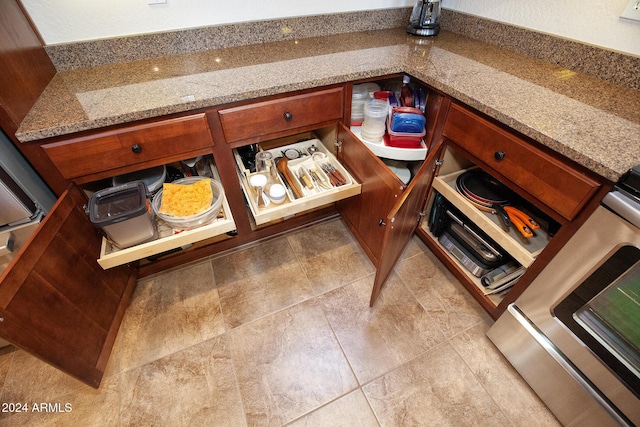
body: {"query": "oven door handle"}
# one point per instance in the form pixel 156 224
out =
pixel 567 365
pixel 624 205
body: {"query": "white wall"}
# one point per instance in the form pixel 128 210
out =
pixel 595 22
pixel 62 21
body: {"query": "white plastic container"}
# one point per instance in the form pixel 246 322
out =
pixel 359 96
pixel 375 118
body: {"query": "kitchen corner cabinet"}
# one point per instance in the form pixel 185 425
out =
pixel 556 193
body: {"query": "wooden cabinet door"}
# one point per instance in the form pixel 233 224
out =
pixel 56 302
pixel 380 191
pixel 403 219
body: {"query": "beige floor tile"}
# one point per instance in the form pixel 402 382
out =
pixel 435 389
pixel 441 294
pixel 283 333
pixel 82 407
pixel 288 364
pixel 516 399
pixel 330 256
pixel 168 313
pixel 258 281
pixel 351 410
pixel 194 387
pixel 381 338
pixel 32 381
pixel 414 247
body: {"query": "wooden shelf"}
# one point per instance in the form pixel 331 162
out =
pixel 311 200
pixel 493 299
pixel 520 248
pixel 168 238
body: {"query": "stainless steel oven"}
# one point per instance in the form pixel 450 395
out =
pixel 574 334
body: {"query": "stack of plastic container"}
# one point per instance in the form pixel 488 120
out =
pixel 406 127
pixel 375 119
pixel 359 96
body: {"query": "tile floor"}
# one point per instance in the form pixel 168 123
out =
pixel 281 334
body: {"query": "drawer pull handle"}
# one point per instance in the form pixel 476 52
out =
pixel 136 148
pixel 288 116
pixel 499 155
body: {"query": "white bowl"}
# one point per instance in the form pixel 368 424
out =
pixel 258 180
pixel 192 221
pixel 277 193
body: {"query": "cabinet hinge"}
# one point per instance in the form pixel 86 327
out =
pixel 338 145
pixel 439 162
pixel 422 213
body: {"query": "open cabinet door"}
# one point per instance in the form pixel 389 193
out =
pixel 56 302
pixel 403 219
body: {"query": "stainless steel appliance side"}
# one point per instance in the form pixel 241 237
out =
pixel 20 172
pixel 519 332
pixel 24 200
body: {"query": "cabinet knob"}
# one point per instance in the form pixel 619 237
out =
pixel 288 116
pixel 136 148
pixel 499 155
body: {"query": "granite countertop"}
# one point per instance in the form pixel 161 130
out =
pixel 594 123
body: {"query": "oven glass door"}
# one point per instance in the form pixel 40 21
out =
pixel 613 318
pixel 604 313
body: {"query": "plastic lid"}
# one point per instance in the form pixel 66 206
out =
pixel 117 204
pixel 359 92
pixel 153 178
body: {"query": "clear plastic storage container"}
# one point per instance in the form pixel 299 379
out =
pixel 123 213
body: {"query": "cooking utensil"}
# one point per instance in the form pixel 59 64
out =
pixel 488 194
pixel 484 188
pixel 335 177
pixel 319 179
pixel 531 223
pixel 304 178
pixel 288 178
pixel 258 182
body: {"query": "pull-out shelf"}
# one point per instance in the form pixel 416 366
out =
pixel 168 238
pixel 520 248
pixel 311 198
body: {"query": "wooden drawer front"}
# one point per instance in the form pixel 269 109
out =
pixel 545 177
pixel 282 114
pixel 119 148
